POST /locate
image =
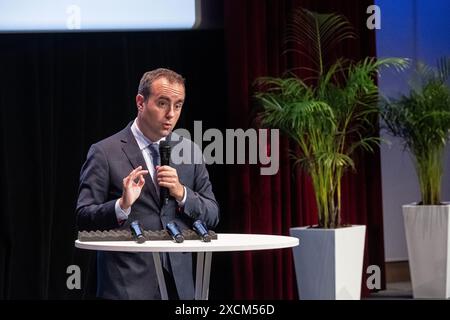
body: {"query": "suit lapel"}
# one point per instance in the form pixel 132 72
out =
pixel 134 155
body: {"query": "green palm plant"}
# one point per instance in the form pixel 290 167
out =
pixel 329 115
pixel 422 120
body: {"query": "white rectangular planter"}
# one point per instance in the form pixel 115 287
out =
pixel 427 238
pixel 329 262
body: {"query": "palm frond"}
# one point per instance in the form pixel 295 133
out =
pixel 443 68
pixel 317 34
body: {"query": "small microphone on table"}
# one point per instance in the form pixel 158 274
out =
pixel 200 228
pixel 136 232
pixel 175 232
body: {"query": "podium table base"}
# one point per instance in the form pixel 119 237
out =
pixel 203 272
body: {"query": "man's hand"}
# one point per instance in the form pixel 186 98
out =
pixel 168 178
pixel 132 187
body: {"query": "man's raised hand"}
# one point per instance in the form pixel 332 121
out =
pixel 132 187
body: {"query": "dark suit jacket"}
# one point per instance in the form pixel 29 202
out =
pixel 123 275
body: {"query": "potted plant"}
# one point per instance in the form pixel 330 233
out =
pixel 421 120
pixel 329 116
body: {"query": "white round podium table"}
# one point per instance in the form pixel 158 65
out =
pixel 224 242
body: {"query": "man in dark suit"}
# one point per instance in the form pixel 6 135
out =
pixel 120 182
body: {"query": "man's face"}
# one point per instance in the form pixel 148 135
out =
pixel 159 114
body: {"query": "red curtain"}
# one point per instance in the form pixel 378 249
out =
pixel 272 204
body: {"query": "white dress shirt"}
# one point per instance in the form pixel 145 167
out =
pixel 143 144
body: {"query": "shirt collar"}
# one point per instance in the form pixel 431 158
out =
pixel 141 139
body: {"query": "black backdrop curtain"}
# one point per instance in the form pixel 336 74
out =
pixel 59 93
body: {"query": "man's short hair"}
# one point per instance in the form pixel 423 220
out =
pixel 145 85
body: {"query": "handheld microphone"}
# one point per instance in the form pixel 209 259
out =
pixel 164 153
pixel 136 232
pixel 175 232
pixel 200 228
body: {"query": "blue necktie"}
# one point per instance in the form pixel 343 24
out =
pixel 156 159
